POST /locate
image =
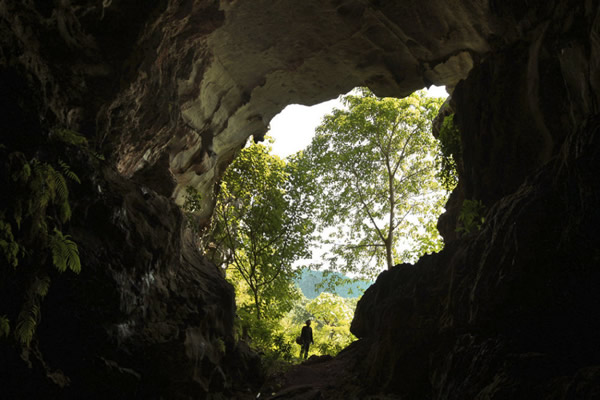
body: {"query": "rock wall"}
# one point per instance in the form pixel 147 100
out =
pixel 169 90
pixel 509 311
pixel 148 316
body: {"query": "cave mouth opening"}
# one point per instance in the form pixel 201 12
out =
pixel 324 293
pixel 294 128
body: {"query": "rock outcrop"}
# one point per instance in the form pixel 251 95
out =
pixel 168 91
pixel 509 311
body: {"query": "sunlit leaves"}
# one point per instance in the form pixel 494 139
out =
pixel 262 225
pixel 331 316
pixel 377 192
pixel 450 153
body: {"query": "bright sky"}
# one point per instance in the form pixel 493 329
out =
pixel 294 127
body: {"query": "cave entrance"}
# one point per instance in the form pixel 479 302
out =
pixel 294 128
pixel 324 288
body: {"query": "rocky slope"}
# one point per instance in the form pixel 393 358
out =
pixel 169 90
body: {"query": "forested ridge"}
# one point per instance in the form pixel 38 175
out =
pixel 312 283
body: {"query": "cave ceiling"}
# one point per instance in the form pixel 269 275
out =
pixel 221 71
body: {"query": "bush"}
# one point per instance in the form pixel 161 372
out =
pixel 450 153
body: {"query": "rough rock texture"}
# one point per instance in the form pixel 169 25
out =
pixel 511 311
pixel 148 316
pixel 170 90
pixel 220 87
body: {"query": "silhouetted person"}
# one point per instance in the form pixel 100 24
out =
pixel 307 338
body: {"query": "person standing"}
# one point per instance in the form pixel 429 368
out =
pixel 306 338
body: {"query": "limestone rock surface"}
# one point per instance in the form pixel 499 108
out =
pixel 168 91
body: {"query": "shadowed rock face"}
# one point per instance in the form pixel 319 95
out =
pixel 170 90
pixel 509 311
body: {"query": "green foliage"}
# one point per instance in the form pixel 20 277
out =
pixel 275 337
pixel 31 222
pixel 193 200
pixel 29 316
pixel 191 206
pixel 26 323
pixel 331 316
pixel 450 152
pixel 72 138
pixel 221 345
pixel 282 346
pixel 373 165
pixel 9 247
pixel 40 199
pixel 261 226
pixel 65 253
pixel 66 170
pixel 68 136
pixel 4 326
pixel 45 187
pixel 471 217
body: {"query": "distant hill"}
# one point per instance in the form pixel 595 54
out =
pixel 309 279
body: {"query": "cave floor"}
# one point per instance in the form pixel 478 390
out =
pixel 322 377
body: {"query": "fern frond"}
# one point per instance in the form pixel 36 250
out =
pixel 51 182
pixel 8 245
pixel 27 322
pixel 66 170
pixel 17 163
pixel 39 228
pixel 22 175
pixel 57 247
pixel 97 155
pixel 69 137
pixel 41 194
pixel 26 172
pixel 65 253
pixel 65 211
pixel 40 286
pixel 60 186
pixel 4 326
pixel 73 260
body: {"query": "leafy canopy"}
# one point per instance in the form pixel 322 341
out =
pixel 262 225
pixel 331 316
pixel 374 167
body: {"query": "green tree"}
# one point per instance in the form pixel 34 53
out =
pixel 332 315
pixel 450 155
pixel 262 225
pixel 374 165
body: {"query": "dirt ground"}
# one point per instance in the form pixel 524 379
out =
pixel 320 378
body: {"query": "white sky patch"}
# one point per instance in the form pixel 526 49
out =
pixel 294 127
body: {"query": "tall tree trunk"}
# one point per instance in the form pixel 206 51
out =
pixel 256 303
pixel 390 236
pixel 388 252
